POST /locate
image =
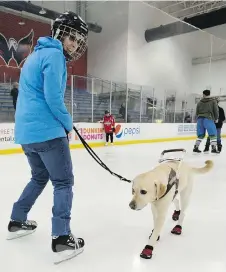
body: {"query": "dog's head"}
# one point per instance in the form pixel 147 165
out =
pixel 146 189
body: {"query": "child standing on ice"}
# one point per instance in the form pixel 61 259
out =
pixel 109 126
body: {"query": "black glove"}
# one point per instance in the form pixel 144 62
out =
pixel 113 129
pixel 67 132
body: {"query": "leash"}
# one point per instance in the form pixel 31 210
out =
pixel 97 159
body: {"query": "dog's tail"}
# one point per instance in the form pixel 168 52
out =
pixel 205 169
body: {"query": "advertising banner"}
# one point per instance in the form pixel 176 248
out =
pixel 185 129
pixel 124 134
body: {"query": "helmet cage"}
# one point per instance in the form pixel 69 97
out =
pixel 63 31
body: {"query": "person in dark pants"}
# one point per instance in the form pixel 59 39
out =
pixel 14 94
pixel 187 118
pixel 42 123
pixel 122 111
pixel 219 125
pixel 109 134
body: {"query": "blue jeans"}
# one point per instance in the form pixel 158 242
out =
pixel 48 160
pixel 204 124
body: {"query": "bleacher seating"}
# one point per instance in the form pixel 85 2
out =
pixel 6 104
pixel 82 105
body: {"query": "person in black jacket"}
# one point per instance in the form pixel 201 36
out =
pixel 219 125
pixel 14 94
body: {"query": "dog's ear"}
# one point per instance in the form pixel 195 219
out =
pixel 160 190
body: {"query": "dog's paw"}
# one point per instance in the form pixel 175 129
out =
pixel 177 230
pixel 151 235
pixel 147 252
pixel 176 215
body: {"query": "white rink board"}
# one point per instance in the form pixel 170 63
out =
pixel 133 132
pixel 125 133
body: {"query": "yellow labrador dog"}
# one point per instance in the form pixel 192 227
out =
pixel 160 187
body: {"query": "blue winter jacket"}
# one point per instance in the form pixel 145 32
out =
pixel 41 114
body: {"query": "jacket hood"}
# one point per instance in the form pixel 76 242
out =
pixel 48 42
pixel 207 99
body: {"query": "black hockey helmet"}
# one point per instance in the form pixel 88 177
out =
pixel 72 25
pixel 206 92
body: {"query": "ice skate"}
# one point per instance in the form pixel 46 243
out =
pixel 214 150
pixel 206 150
pixel 106 144
pixel 196 150
pixel 66 247
pixel 219 148
pixel 20 229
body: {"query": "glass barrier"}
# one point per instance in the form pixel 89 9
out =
pixel 151 70
pixel 133 103
pixel 101 98
pixel 147 105
pixel 118 102
pixel 83 99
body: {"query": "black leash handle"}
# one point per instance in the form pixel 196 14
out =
pixel 96 158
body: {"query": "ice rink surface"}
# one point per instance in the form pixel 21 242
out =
pixel 114 234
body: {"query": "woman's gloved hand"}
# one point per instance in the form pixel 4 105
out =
pixel 68 133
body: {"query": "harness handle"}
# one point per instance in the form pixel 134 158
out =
pixel 173 150
pixel 169 151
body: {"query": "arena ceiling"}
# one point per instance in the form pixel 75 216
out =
pixel 187 9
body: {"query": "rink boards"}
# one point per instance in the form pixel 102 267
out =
pixel 130 133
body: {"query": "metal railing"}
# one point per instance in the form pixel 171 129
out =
pixel 127 102
pixel 87 98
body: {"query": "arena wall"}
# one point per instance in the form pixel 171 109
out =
pixel 125 134
pixel 17 42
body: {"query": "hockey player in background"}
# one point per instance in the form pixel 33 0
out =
pixel 219 125
pixel 42 123
pixel 109 127
pixel 207 114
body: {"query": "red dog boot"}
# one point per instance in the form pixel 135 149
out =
pixel 147 252
pixel 177 230
pixel 176 215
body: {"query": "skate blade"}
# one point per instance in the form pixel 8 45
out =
pixel 66 255
pixel 19 234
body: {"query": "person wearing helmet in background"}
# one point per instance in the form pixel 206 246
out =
pixel 42 124
pixel 109 126
pixel 219 125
